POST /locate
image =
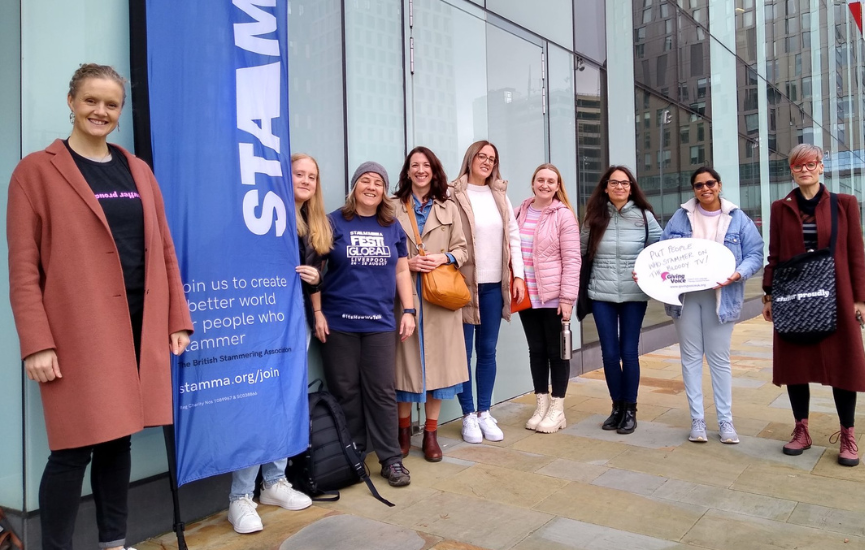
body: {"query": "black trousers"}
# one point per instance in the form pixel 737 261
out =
pixel 359 369
pixel 845 403
pixel 543 328
pixel 60 492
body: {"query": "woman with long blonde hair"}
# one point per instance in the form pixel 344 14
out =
pixel 314 239
pixel 550 244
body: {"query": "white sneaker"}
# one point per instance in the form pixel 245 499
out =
pixel 471 430
pixel 488 427
pixel 281 494
pixel 242 515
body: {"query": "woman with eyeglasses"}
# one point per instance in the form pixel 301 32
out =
pixel 493 241
pixel 619 223
pixel 800 222
pixel 705 320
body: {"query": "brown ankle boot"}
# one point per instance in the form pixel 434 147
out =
pixel 431 450
pixel 404 440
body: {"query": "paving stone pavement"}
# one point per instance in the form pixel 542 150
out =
pixel 587 489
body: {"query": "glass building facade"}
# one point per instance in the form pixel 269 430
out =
pixel 734 84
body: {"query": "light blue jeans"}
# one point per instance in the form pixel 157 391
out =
pixel 701 333
pixel 243 481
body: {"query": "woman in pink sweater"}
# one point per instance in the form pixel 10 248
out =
pixel 550 244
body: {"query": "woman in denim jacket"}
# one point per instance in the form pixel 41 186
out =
pixel 705 321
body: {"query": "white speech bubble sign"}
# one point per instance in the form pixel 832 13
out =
pixel 669 268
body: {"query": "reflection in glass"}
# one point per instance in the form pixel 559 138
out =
pixel 315 91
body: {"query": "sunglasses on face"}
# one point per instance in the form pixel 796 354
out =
pixel 709 184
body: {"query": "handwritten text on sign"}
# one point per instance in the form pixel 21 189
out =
pixel 669 268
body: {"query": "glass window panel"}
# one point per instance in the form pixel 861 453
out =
pixel 553 21
pixel 11 405
pixel 590 36
pixel 374 84
pixel 315 92
pixel 516 127
pixel 449 83
pixel 563 115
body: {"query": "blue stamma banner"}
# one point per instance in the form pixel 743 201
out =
pixel 217 75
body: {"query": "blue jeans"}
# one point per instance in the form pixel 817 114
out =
pixel 491 302
pixel 619 333
pixel 243 481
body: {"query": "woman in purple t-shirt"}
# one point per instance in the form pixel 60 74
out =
pixel 366 268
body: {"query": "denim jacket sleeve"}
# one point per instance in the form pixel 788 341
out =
pixel 752 247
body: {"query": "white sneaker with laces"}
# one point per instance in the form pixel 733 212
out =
pixel 728 433
pixel 471 430
pixel 242 515
pixel 488 427
pixel 283 495
pixel 698 431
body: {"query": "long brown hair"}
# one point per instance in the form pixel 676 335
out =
pixel 470 155
pixel 438 184
pixel 310 216
pixel 561 194
pixel 598 214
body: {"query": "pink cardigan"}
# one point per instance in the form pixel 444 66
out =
pixel 555 250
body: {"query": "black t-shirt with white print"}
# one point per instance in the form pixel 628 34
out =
pixel 114 188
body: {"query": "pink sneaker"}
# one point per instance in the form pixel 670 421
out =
pixel 801 440
pixel 849 453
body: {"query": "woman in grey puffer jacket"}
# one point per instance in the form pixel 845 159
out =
pixel 619 223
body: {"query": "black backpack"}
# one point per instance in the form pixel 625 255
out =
pixel 331 461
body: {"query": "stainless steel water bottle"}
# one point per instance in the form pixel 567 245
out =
pixel 565 346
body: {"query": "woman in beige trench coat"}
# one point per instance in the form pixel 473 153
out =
pixel 430 364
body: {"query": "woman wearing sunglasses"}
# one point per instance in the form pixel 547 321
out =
pixel 619 223
pixel 706 318
pixel 803 221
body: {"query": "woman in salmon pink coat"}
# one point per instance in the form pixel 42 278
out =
pixel 550 245
pixel 98 305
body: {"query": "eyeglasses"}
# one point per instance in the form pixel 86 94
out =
pixel 806 166
pixel 615 183
pixel 709 184
pixel 483 157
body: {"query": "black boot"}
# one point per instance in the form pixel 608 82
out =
pixel 615 417
pixel 629 419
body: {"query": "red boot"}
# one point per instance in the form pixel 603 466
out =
pixel 801 440
pixel 849 453
pixel 404 440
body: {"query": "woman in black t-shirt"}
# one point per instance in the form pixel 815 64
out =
pixel 97 299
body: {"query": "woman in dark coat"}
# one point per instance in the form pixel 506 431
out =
pixel 802 221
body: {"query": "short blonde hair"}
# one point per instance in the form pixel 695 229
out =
pixel 804 152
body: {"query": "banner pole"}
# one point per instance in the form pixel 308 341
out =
pixel 178 526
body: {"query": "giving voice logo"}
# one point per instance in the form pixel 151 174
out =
pixel 673 277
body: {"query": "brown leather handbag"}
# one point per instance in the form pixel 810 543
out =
pixel 444 286
pixel 525 303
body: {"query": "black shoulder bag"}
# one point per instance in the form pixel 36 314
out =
pixel 804 301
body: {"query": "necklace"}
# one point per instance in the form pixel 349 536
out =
pixel 106 158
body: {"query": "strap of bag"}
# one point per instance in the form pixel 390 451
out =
pixel 356 461
pixel 420 247
pixel 646 226
pixel 833 206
